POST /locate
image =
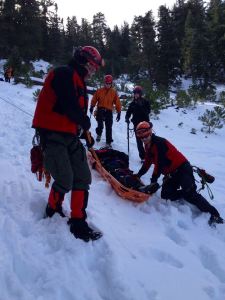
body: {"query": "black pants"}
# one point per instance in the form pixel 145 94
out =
pixel 7 79
pixel 140 146
pixel 181 184
pixel 105 116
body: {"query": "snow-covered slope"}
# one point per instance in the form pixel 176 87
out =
pixel 153 251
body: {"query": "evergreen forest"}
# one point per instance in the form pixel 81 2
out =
pixel 187 40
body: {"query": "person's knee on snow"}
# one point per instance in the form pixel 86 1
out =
pixel 172 195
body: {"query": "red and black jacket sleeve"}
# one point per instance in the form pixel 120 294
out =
pixel 157 155
pixel 160 150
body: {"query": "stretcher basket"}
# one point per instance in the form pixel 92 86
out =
pixel 123 191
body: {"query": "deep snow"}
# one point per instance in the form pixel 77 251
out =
pixel 157 250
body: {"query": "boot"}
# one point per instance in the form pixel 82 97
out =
pixel 98 138
pixel 80 229
pixel 215 220
pixel 108 146
pixel 54 205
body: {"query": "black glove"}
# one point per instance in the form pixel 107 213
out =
pixel 152 188
pixel 137 175
pixel 118 117
pixel 127 120
pixel 91 109
pixel 86 124
pixel 90 141
pixel 154 179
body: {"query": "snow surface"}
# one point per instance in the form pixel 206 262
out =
pixel 157 250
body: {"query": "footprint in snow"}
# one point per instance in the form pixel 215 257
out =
pixel 210 262
pixel 172 234
pixel 165 257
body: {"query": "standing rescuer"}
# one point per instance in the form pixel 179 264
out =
pixel 105 98
pixel 8 74
pixel 178 179
pixel 139 109
pixel 60 114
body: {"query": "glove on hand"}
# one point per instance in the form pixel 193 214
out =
pixel 91 110
pixel 153 187
pixel 86 124
pixel 118 117
pixel 137 175
pixel 89 141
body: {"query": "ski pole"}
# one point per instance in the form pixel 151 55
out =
pixel 128 141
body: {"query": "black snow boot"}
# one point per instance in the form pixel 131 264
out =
pixel 54 205
pixel 215 220
pixel 98 138
pixel 49 212
pixel 80 229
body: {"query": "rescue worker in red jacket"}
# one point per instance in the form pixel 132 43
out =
pixel 106 98
pixel 60 114
pixel 178 179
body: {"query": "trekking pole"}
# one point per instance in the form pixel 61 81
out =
pixel 128 140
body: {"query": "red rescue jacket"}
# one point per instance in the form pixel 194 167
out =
pixel 62 103
pixel 165 157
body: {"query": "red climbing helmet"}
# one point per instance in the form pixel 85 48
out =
pixel 138 90
pixel 108 79
pixel 92 55
pixel 144 130
pixel 89 57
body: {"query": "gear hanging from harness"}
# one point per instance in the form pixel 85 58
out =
pixel 37 158
pixel 205 179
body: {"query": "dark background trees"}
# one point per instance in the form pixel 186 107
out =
pixel 187 40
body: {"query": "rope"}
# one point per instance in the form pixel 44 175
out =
pixel 203 183
pixel 25 112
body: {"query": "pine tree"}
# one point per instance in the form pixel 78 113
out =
pixel 196 50
pixel 216 31
pixel 212 119
pixel 28 37
pixel 112 55
pixel 178 15
pixel 86 33
pixel 99 32
pixel 168 50
pixel 56 37
pixel 124 45
pixel 149 46
pixel 45 6
pixel 71 36
pixel 7 27
pixel 135 61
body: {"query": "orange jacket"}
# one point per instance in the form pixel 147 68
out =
pixel 106 98
pixel 9 72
